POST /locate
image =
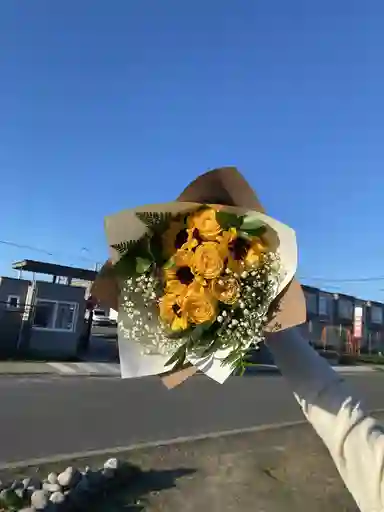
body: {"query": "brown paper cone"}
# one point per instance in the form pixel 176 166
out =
pixel 225 186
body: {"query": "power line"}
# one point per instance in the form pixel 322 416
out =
pixel 348 280
pixel 20 246
pixel 44 251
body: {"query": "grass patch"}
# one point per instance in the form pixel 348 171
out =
pixel 370 359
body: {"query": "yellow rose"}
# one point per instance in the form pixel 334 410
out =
pixel 199 307
pixel 207 261
pixel 171 312
pixel 254 254
pixel 205 222
pixel 226 289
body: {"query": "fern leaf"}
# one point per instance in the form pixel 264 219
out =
pixel 124 247
pixel 155 220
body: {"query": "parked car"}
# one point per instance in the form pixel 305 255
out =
pixel 100 317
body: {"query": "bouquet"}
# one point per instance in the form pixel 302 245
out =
pixel 196 284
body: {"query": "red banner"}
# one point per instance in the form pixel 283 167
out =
pixel 358 322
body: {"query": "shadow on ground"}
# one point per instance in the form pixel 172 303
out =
pixel 133 496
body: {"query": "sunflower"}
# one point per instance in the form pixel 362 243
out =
pixel 171 312
pixel 177 236
pixel 237 251
pixel 178 280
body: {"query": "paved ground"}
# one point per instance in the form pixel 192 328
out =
pixel 42 416
pixel 105 331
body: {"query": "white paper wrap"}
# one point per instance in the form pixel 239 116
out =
pixel 126 226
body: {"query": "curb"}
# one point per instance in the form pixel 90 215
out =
pixel 355 370
pixel 154 444
pixel 141 446
pixel 104 369
pixel 64 369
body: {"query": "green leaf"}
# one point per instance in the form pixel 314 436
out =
pixel 178 357
pixel 242 370
pixel 200 330
pixel 232 358
pixel 228 220
pixel 156 221
pixel 176 335
pixel 213 347
pixel 169 264
pixel 256 232
pixel 252 221
pixel 142 265
pixel 155 248
pixel 124 247
pixel 125 267
pixel 244 235
pixel 11 500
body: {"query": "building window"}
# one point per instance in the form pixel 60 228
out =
pixel 376 315
pixel 55 315
pixel 345 309
pixel 13 301
pixel 325 305
pixel 65 316
pixel 311 301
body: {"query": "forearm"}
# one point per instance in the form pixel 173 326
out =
pixel 355 440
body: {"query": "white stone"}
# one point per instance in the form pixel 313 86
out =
pixel 51 487
pixel 39 499
pixel 112 464
pixel 26 482
pixel 57 497
pixel 69 478
pixel 52 478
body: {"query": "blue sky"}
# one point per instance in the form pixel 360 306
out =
pixel 107 105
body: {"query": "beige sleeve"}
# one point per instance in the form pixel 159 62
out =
pixel 354 439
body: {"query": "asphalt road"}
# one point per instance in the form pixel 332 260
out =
pixel 42 417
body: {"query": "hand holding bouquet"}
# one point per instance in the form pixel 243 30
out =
pixel 196 283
